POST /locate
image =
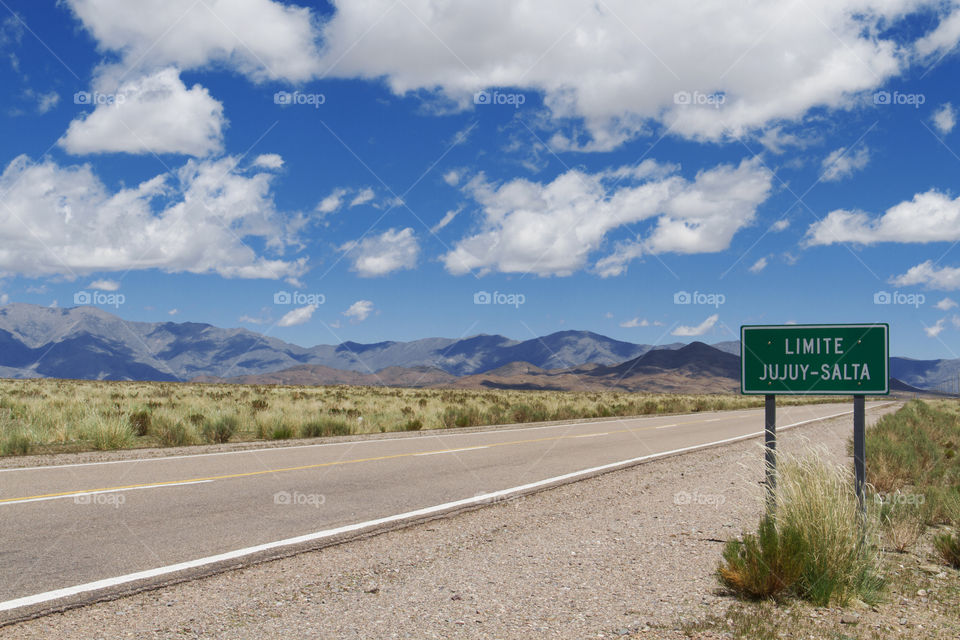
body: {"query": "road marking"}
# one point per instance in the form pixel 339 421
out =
pixel 93 493
pixel 713 420
pixel 667 426
pixel 320 465
pixel 48 596
pixel 593 435
pixel 433 453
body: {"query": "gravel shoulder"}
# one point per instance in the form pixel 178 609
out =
pixel 630 552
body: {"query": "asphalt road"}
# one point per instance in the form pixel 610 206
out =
pixel 74 533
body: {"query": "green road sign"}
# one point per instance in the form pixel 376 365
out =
pixel 801 359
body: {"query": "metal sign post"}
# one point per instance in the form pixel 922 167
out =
pixel 815 359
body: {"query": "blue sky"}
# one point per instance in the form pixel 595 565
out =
pixel 652 174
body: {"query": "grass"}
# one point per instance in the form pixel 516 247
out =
pixel 810 545
pixel 51 416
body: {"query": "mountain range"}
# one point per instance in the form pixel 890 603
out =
pixel 90 343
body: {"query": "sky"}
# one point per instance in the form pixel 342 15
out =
pixel 402 169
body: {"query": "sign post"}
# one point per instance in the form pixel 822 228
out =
pixel 815 359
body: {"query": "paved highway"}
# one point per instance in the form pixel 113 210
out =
pixel 72 533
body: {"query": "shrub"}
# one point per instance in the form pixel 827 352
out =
pixel 462 416
pixel 16 444
pixel 324 427
pixel 173 434
pixel 765 565
pixel 259 404
pixel 112 434
pixel 221 429
pixel 140 422
pixel 949 548
pixel 281 432
pixel 197 419
pixel 413 425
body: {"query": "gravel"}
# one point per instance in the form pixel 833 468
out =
pixel 601 558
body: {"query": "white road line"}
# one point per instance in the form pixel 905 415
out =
pixel 434 453
pixel 713 419
pixel 93 493
pixel 48 596
pixel 352 442
pixel 667 426
pixel 591 435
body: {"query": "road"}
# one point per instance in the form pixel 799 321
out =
pixel 73 533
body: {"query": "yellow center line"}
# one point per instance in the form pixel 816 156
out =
pixel 319 465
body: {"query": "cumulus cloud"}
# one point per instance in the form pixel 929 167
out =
pixel 620 65
pixel 946 304
pixel 105 285
pixel 363 197
pixel 780 225
pixel 759 265
pixel 150 114
pixel 929 217
pixel 268 161
pixel 332 202
pixel 359 311
pixel 635 322
pixel 4 298
pixel 843 163
pixel 62 220
pixel 698 330
pixel 382 254
pixel 931 276
pixel 297 316
pixel 553 228
pixel 945 118
pixel 262 39
pixel 452 177
pixel 935 329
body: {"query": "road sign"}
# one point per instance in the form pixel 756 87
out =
pixel 815 359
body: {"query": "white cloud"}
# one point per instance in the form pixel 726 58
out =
pixel 365 196
pixel 261 39
pixel 297 316
pixel 934 330
pixel 359 311
pixel 47 101
pixel 780 225
pixel 151 114
pixel 698 330
pixel 759 265
pixel 946 304
pixel 955 320
pixel 452 177
pixel 447 219
pixel 620 64
pixel 268 161
pixel 929 217
pixel 635 322
pixel 4 298
pixel 65 221
pixel 929 275
pixel 379 255
pixel 843 163
pixel 945 118
pixel 552 228
pixel 332 202
pixel 105 285
pixel 173 312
